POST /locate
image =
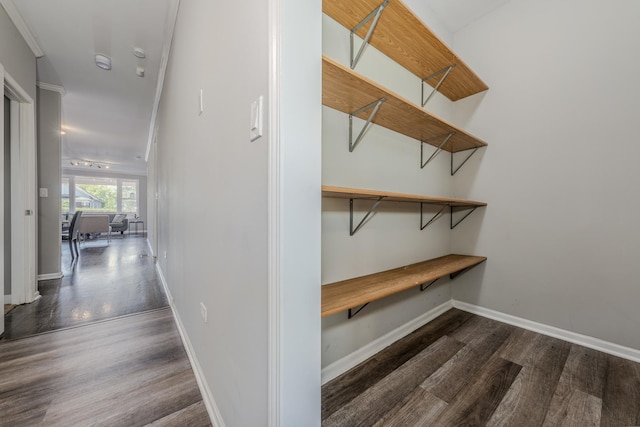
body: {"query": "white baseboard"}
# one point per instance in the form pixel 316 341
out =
pixel 552 331
pixel 150 248
pixel 50 276
pixel 207 396
pixel 341 366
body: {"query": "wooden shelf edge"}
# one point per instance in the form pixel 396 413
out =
pixel 357 193
pixel 346 90
pixel 351 293
pixel 404 38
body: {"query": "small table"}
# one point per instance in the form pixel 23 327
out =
pixel 136 222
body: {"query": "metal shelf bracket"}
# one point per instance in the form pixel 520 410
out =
pixel 454 225
pixel 457 273
pixel 375 15
pixel 353 313
pixel 446 137
pixel 373 208
pixel 436 216
pixel 376 106
pixel 424 286
pixel 453 171
pixel 445 72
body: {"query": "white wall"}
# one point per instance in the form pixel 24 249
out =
pixel 298 172
pixel 212 185
pixel 384 160
pixel 16 57
pixel 49 177
pixel 561 170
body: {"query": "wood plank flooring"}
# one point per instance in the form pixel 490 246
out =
pixel 130 371
pixel 465 370
pixel 107 281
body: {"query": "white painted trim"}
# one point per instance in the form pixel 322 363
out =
pixel 2 266
pixel 22 26
pixel 53 88
pixel 151 248
pixel 274 209
pixel 24 286
pixel 50 276
pixel 552 331
pixel 363 353
pixel 172 17
pixel 207 396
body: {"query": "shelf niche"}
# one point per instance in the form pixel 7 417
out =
pixel 403 37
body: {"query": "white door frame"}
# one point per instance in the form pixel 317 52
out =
pixel 2 198
pixel 24 286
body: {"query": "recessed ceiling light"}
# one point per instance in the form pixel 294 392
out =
pixel 139 53
pixel 62 132
pixel 103 62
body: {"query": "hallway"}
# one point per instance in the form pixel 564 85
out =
pixel 99 348
pixel 107 281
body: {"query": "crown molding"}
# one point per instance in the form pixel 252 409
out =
pixel 54 88
pixel 22 27
pixel 172 17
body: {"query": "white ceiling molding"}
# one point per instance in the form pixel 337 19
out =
pixel 172 17
pixel 22 27
pixel 53 88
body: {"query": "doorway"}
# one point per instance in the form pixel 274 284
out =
pixel 7 200
pixel 18 186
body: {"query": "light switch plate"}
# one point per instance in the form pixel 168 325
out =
pixel 256 119
pixel 44 192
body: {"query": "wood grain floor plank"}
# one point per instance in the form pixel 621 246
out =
pixel 346 387
pixel 191 416
pixel 528 400
pixel 519 346
pixel 420 408
pixel 477 404
pixel 621 400
pixel 475 330
pixel 122 372
pixel 559 383
pixel 576 409
pixel 578 396
pixel 106 282
pixel 380 398
pixel 452 377
pixel 586 370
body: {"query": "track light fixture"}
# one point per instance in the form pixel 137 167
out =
pixel 89 163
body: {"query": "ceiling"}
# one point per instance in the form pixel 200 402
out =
pixel 106 114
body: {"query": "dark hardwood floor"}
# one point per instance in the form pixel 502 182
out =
pixel 99 348
pixel 107 281
pixel 129 371
pixel 465 370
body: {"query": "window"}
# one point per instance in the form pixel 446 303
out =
pixel 129 202
pixel 65 195
pixel 96 194
pixel 100 195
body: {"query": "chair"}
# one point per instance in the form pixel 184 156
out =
pixel 119 223
pixel 73 233
pixel 90 224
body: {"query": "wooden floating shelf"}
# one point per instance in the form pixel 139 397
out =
pixel 356 193
pixel 341 296
pixel 347 91
pixel 403 37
